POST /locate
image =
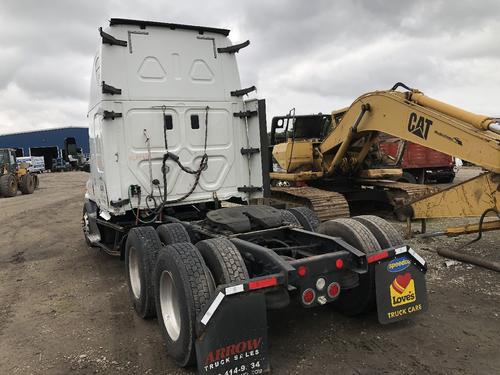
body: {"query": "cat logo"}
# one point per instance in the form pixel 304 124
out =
pixel 402 290
pixel 419 125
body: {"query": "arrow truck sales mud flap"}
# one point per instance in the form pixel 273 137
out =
pixel 400 286
pixel 233 337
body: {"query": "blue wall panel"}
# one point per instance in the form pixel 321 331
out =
pixel 46 138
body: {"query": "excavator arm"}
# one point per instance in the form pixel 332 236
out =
pixel 414 117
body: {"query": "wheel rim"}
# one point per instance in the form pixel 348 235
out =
pixel 134 273
pixel 169 304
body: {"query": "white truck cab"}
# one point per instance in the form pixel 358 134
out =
pixel 159 88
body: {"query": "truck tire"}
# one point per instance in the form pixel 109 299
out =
pixel 27 185
pixel 361 298
pixel 288 218
pixel 182 289
pixel 407 177
pixel 8 185
pixel 141 250
pixel 306 217
pixel 386 235
pixel 172 233
pixel 223 260
pixel 37 181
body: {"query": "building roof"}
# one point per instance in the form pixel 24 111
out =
pixel 44 130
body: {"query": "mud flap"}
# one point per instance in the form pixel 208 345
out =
pixel 233 336
pixel 400 287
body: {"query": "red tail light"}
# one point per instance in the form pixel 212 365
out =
pixel 302 271
pixel 378 256
pixel 264 283
pixel 339 263
pixel 308 296
pixel 333 290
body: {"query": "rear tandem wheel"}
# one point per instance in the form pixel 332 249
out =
pixel 306 217
pixel 182 287
pixel 172 233
pixel 141 251
pixel 386 235
pixel 223 260
pixel 361 298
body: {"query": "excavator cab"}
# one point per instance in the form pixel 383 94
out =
pixel 8 162
pixel 294 138
pixel 291 127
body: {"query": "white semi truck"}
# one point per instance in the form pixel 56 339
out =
pixel 172 138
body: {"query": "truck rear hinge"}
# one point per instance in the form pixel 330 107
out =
pixel 250 150
pixel 242 92
pixel 119 203
pixel 108 89
pixel 110 115
pixel 245 114
pixel 233 49
pixel 249 189
pixel 111 40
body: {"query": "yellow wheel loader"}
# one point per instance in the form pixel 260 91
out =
pixel 14 176
pixel 322 160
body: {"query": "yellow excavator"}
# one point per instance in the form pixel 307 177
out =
pixel 324 161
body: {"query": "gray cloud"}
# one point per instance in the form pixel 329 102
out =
pixel 315 55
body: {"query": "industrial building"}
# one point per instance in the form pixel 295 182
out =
pixel 47 143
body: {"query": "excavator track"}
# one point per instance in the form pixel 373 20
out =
pixel 402 193
pixel 330 205
pixel 327 204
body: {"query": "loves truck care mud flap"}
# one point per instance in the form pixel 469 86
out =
pixel 400 286
pixel 233 336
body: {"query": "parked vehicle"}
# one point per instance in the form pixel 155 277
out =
pixel 171 139
pixel 14 176
pixel 74 155
pixel 60 165
pixel 35 164
pixel 420 164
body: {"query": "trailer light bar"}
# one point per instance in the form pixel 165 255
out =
pixel 378 256
pixel 302 271
pixel 333 290
pixel 308 296
pixel 264 283
pixel 339 263
pixel 320 283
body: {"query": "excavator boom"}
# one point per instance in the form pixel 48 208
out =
pixel 414 117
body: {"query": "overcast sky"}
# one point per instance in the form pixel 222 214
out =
pixel 312 55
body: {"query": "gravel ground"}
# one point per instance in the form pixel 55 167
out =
pixel 65 308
